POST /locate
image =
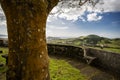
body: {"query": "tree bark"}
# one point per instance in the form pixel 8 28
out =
pixel 26 22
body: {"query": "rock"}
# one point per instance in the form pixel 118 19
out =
pixel 1 65
pixel 5 56
pixel 1 51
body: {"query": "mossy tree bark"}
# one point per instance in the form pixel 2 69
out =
pixel 26 21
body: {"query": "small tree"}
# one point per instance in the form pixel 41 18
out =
pixel 26 24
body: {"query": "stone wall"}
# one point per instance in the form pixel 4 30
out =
pixel 65 50
pixel 105 60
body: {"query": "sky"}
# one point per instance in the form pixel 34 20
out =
pixel 102 20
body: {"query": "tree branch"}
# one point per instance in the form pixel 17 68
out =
pixel 81 3
pixel 51 4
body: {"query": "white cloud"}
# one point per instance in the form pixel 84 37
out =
pixel 62 33
pixel 93 17
pixel 111 6
pixel 3 23
pixel 76 13
pixel 3 30
pixel 72 14
pixel 109 34
pixel 69 13
pixel 57 27
pixel 55 32
pixel 51 18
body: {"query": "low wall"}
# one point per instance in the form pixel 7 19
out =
pixel 106 60
pixel 65 50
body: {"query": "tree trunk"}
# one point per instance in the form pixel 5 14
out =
pixel 26 21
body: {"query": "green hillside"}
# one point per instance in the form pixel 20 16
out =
pixel 93 41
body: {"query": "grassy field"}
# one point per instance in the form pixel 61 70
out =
pixel 112 50
pixel 59 69
pixel 108 49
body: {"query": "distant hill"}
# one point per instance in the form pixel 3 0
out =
pixel 53 38
pixel 91 40
pixel 3 36
pixel 92 36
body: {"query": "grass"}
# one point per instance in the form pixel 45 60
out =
pixel 108 49
pixel 3 60
pixel 112 50
pixel 61 70
pixel 5 51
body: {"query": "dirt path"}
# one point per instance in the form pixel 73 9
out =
pixel 90 72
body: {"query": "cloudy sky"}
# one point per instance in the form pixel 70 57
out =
pixel 102 20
